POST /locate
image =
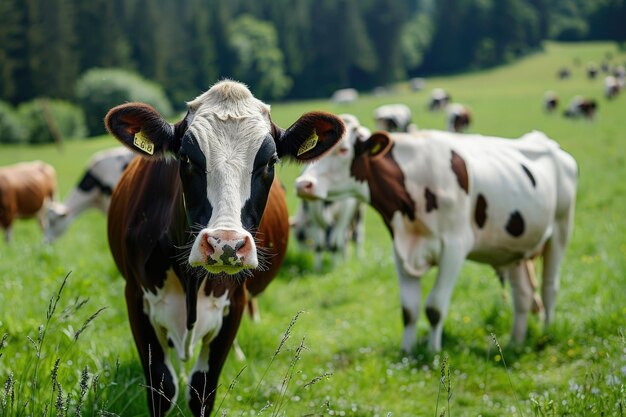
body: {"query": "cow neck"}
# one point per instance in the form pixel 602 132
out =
pixel 386 184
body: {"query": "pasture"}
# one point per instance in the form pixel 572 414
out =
pixel 329 342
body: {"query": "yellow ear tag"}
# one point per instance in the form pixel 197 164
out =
pixel 375 149
pixel 143 143
pixel 308 144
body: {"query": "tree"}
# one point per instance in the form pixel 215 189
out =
pixel 259 61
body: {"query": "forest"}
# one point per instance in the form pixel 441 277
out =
pixel 283 49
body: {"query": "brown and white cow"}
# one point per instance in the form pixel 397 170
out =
pixel 581 107
pixel 93 190
pixel 459 117
pixel 447 197
pixel 25 190
pixel 197 220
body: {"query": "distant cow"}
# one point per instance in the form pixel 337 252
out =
pixel 611 87
pixel 447 197
pixel 564 73
pixel 550 101
pixel 439 99
pixel 93 191
pixel 393 117
pixel 345 96
pixel 25 190
pixel 197 220
pixel 581 107
pixel 592 71
pixel 459 117
pixel 328 226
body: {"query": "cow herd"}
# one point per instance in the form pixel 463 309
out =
pixel 586 107
pixel 198 220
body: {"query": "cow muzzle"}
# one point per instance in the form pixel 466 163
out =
pixel 309 188
pixel 228 251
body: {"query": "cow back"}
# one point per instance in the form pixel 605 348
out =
pixel 25 187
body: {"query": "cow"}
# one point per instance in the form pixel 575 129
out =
pixel 93 190
pixel 446 197
pixel 459 117
pixel 611 87
pixel 563 73
pixel 393 118
pixel 581 107
pixel 26 188
pixel 550 101
pixel 439 99
pixel 196 221
pixel 592 70
pixel 345 96
pixel 328 226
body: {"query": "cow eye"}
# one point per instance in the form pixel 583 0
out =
pixel 184 158
pixel 342 151
pixel 273 161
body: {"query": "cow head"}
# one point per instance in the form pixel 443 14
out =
pixel 226 146
pixel 333 176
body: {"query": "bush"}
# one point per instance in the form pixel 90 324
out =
pixel 46 119
pixel 12 129
pixel 99 89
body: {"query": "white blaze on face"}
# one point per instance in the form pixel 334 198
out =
pixel 230 126
pixel 168 315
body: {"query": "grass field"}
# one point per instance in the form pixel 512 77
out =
pixel 341 356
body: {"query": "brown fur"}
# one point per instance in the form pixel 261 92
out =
pixel 24 189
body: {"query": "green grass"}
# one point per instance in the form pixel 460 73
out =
pixel 347 340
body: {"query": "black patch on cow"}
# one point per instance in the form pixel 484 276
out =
pixel 90 181
pixel 515 225
pixel 431 200
pixel 260 184
pixel 406 316
pixel 194 180
pixel 460 170
pixel 433 315
pixel 480 213
pixel 530 175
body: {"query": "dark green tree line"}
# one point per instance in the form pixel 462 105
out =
pixel 281 48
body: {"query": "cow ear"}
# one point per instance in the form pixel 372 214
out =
pixel 142 129
pixel 377 145
pixel 310 137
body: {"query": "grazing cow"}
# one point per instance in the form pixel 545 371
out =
pixel 330 225
pixel 581 107
pixel 197 220
pixel 459 117
pixel 345 96
pixel 393 117
pixel 447 197
pixel 417 84
pixel 26 188
pixel 550 101
pixel 93 191
pixel 564 73
pixel 611 87
pixel 439 99
pixel 620 75
pixel 592 71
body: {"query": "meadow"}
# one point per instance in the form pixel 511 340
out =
pixel 328 342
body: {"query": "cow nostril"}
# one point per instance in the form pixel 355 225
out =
pixel 207 246
pixel 242 246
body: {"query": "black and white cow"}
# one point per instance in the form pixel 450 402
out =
pixel 439 99
pixel 328 226
pixel 447 197
pixel 198 220
pixel 581 107
pixel 393 118
pixel 550 101
pixel 93 191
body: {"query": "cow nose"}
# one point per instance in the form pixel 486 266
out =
pixel 305 188
pixel 224 250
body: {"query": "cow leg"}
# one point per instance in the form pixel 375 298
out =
pixel 522 294
pixel 205 374
pixel 410 298
pixel 162 385
pixel 438 301
pixel 8 234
